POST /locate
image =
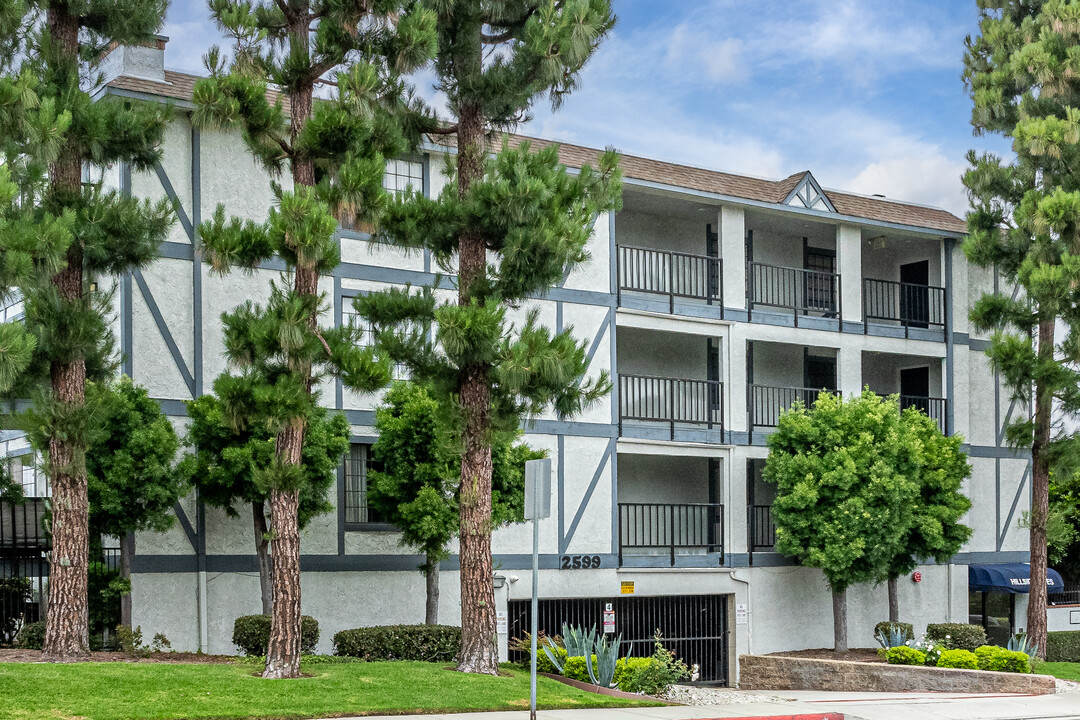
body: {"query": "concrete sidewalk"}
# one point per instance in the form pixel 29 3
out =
pixel 815 705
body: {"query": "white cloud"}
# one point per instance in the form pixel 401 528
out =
pixel 929 179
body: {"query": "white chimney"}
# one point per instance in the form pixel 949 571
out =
pixel 144 61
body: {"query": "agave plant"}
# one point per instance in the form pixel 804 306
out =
pixel 894 638
pixel 1019 643
pixel 578 641
pixel 607 655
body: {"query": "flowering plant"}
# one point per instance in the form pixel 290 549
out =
pixel 929 648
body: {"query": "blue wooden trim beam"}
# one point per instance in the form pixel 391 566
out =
pixel 605 458
pixel 163 328
pixel 185 525
pixel 1012 509
pixel 181 215
pixel 196 265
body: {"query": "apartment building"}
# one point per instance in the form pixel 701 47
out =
pixel 714 300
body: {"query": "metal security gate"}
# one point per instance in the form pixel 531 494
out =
pixel 24 566
pixel 694 627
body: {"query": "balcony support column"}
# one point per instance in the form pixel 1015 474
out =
pixel 732 224
pixel 849 370
pixel 849 265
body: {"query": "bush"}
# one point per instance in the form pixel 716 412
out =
pixel 626 670
pixel 903 655
pixel 1063 646
pixel 662 670
pixel 991 657
pixel 574 668
pixel 251 634
pixel 963 659
pixel 957 636
pixel 884 628
pixel 31 636
pixel 426 643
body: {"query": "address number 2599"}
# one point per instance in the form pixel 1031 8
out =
pixel 579 562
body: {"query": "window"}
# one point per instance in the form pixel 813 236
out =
pixel 11 307
pixel 24 471
pixel 367 336
pixel 403 174
pixel 356 475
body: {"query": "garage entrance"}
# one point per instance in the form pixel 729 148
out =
pixel 695 627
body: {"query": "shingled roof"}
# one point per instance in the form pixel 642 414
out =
pixel 179 86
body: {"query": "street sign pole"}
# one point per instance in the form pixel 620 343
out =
pixel 537 506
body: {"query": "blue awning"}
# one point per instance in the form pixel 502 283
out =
pixel 1010 578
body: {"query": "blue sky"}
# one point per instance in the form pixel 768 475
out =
pixel 865 94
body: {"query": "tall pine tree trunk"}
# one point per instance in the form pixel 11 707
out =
pixel 1040 499
pixel 262 551
pixel 67 621
pixel 894 600
pixel 127 551
pixel 283 651
pixel 839 619
pixel 478 641
pixel 431 576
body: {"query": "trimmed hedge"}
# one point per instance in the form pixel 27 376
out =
pixel 992 657
pixel 963 659
pixel 426 643
pixel 627 672
pixel 1063 646
pixel 957 636
pixel 251 634
pixel 31 636
pixel 904 655
pixel 907 628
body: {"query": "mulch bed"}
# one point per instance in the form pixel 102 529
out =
pixel 867 655
pixel 10 655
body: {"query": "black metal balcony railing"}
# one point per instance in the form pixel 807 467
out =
pixel 693 527
pixel 762 528
pixel 673 274
pixel 767 402
pixel 910 305
pixel 671 400
pixel 935 408
pixel 801 291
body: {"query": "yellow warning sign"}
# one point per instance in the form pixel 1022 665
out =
pixel 626 588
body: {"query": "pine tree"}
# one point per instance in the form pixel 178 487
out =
pixel 59 236
pixel 1021 72
pixel 335 151
pixel 512 226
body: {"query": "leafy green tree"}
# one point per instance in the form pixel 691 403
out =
pixel 132 483
pixel 58 236
pixel 10 491
pixel 1025 224
pixel 226 465
pixel 936 532
pixel 511 227
pixel 845 491
pixel 415 483
pixel 334 150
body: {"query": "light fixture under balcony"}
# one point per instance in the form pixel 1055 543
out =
pixel 877 243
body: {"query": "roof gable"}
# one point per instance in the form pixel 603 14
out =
pixel 808 194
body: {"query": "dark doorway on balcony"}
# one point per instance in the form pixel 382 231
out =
pixel 915 383
pixel 760 530
pixel 819 372
pixel 694 627
pixel 915 294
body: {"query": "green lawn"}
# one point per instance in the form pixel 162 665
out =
pixel 116 691
pixel 1063 670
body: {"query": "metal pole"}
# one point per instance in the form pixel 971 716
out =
pixel 535 600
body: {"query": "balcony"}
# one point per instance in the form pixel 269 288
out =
pixel 670 530
pixel 903 305
pixel 767 402
pixel 670 275
pixel 671 401
pixel 22 526
pixel 802 292
pixel 935 408
pixel 761 528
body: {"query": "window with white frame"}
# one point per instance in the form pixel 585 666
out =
pixel 25 472
pixel 357 463
pixel 401 175
pixel 11 307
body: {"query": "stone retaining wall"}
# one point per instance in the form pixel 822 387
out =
pixel 775 672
